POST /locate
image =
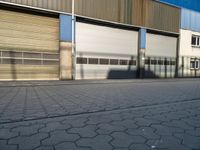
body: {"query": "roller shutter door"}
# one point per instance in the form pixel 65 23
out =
pixel 105 52
pixel 160 56
pixel 29 46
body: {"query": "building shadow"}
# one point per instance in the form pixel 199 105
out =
pixel 13 63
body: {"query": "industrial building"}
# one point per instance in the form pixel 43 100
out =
pixel 98 39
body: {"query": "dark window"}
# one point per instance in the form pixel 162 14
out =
pixel 198 41
pixel 173 63
pixel 81 60
pixel 194 64
pixel 160 62
pixel 49 62
pixel 50 56
pixel 147 61
pixel 194 40
pixel 32 55
pixel 12 61
pixel 123 62
pixel 32 62
pixel 113 61
pixel 153 62
pixel 104 61
pixel 11 54
pixel 93 61
pixel 132 62
pixel 166 62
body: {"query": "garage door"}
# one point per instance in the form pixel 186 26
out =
pixel 105 52
pixel 29 46
pixel 160 56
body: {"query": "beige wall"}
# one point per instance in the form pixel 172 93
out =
pixel 186 48
pixel 65 60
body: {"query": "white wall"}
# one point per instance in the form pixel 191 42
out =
pixel 161 46
pixel 186 48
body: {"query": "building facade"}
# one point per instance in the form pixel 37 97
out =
pixel 189 44
pixel 97 39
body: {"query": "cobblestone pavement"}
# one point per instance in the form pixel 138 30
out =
pixel 121 116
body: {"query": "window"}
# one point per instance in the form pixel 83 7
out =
pixel 195 40
pixel 93 61
pixel 160 62
pixel 81 60
pixel 104 61
pixel 153 62
pixel 123 62
pixel 113 61
pixel 194 64
pixel 132 62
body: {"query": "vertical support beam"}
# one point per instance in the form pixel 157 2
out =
pixel 177 58
pixel 66 47
pixel 141 52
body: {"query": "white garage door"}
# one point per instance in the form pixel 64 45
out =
pixel 105 52
pixel 160 56
pixel 159 45
pixel 29 46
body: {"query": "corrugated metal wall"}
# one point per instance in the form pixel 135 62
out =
pixel 60 5
pixel 190 20
pixel 161 16
pixel 190 4
pixel 147 13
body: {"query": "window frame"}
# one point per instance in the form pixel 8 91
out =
pixel 196 64
pixel 197 41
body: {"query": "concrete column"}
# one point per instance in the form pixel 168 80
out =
pixel 66 59
pixel 141 53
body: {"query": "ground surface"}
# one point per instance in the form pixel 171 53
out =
pixel 100 115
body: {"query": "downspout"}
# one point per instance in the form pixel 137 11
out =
pixel 73 44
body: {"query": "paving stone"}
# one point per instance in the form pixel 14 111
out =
pixel 126 123
pixel 192 122
pixel 57 137
pixel 145 122
pixel 167 142
pixel 189 141
pixel 5 146
pixel 76 122
pixel 87 131
pixel 106 128
pixel 94 120
pixel 28 130
pixel 100 142
pixel 54 126
pixel 178 124
pixel 121 149
pixel 121 139
pixel 113 117
pixel 69 146
pixel 164 130
pixel 158 117
pixel 28 142
pixel 146 132
pixel 139 147
pixel 195 132
pixel 7 134
pixel 162 127
pixel 45 148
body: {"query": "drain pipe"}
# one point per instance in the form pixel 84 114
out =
pixel 73 44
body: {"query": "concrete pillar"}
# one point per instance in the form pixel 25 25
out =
pixel 66 60
pixel 141 53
